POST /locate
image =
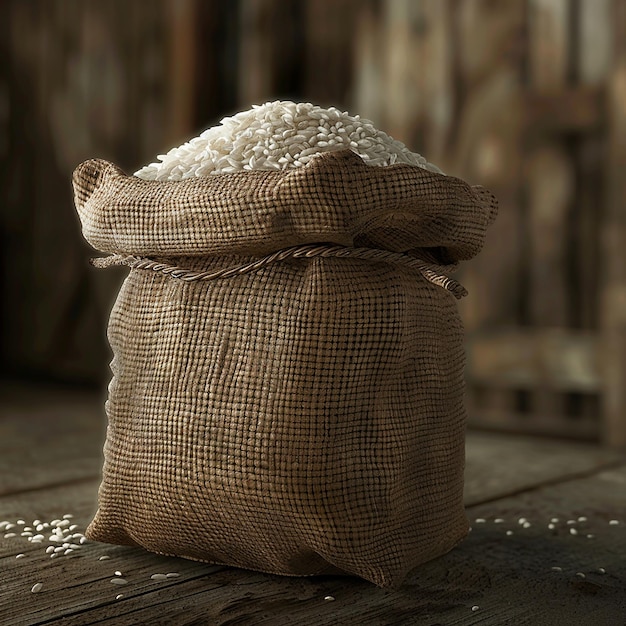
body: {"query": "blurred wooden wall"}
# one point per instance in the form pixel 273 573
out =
pixel 81 79
pixel 527 97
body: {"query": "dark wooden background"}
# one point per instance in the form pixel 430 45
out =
pixel 527 97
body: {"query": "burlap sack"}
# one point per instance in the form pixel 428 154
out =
pixel 303 415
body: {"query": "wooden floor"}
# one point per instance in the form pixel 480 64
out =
pixel 50 456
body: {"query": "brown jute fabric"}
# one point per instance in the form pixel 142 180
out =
pixel 304 418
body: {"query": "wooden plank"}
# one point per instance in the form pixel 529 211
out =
pixel 613 296
pixel 549 41
pixel 77 588
pixel 550 194
pixel 326 67
pixel 182 52
pixel 49 436
pixel 368 73
pixel 551 359
pixel 499 465
pixel 581 427
pixel 490 569
pixel 438 34
pixel 595 41
pixel 404 100
pixel 256 51
pixel 487 150
pixel 571 110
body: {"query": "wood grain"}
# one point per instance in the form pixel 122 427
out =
pixel 505 478
pixel 508 577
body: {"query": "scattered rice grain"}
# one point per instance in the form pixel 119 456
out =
pixel 613 522
pixel 329 598
pixel 10 535
pixel 119 596
pixel 104 558
pixel 498 520
pixel 556 568
pixel 509 532
pixel 601 570
pixel 573 531
pixel 173 575
pixel 159 576
pixel 119 581
pixel 590 536
pixel 37 587
pixel 20 556
pixel 551 526
pixel 480 520
pixel 580 575
pixel 582 518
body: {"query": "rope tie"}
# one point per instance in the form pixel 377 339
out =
pixel 432 273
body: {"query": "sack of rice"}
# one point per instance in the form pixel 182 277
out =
pixel 287 391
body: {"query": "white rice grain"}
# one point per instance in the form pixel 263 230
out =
pixel 279 135
pixel 37 587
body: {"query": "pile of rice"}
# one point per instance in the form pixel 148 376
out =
pixel 279 135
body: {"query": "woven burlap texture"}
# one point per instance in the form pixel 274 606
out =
pixel 307 418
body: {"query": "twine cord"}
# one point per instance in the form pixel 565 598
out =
pixel 431 273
